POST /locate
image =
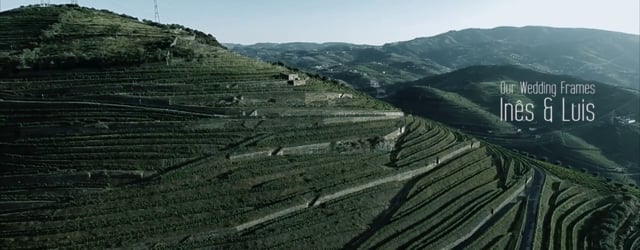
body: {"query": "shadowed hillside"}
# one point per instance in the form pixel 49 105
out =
pixel 469 99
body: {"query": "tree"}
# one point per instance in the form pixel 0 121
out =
pixel 29 58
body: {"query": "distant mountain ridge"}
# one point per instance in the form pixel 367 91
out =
pixel 605 56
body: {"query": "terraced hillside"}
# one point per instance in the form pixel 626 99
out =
pixel 566 208
pixel 205 148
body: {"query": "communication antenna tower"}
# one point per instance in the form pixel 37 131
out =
pixel 157 14
pixel 74 2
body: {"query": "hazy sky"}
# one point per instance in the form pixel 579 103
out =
pixel 368 21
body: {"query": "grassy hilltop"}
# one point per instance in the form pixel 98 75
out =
pixel 127 134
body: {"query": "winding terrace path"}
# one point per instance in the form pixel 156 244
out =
pixel 534 192
pixel 497 211
pixel 402 176
pixel 329 197
pixel 533 188
pixel 176 111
